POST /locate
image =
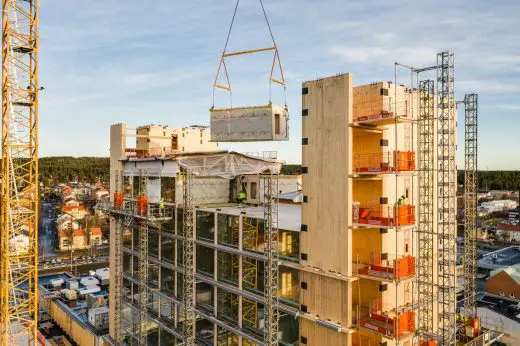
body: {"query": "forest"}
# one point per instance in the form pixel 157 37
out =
pixel 61 169
pixel 88 169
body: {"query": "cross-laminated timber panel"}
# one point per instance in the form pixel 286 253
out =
pixel 316 335
pixel 327 139
pixel 329 298
pixel 326 240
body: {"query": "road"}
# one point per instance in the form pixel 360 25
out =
pixel 47 229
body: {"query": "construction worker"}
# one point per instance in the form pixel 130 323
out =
pixel 401 200
pixel 241 197
pixel 161 206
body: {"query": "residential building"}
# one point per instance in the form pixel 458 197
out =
pixel 79 238
pixel 508 232
pixel 347 252
pixel 499 205
pixel 78 212
pixel 505 282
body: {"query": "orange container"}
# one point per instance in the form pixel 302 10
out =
pixel 118 200
pixel 142 205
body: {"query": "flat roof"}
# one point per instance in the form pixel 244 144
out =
pixel 502 258
pixel 289 215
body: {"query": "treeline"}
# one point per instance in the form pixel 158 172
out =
pixel 67 168
pixel 495 180
pixel 61 169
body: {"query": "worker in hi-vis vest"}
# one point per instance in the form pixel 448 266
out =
pixel 161 206
pixel 241 197
pixel 401 200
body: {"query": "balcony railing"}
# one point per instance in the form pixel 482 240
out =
pixel 383 215
pixel 143 153
pixel 381 110
pixel 384 162
pixel 387 268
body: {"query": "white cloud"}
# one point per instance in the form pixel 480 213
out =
pixel 510 107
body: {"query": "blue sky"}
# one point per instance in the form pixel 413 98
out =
pixel 140 62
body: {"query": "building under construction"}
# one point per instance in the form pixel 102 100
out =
pixel 205 251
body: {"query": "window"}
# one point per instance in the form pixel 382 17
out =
pixel 277 124
pixel 502 293
pixel 511 295
pixel 252 191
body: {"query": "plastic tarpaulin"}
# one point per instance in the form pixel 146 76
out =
pixel 228 165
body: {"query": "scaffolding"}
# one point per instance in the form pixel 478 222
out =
pixel 118 237
pixel 19 192
pixel 271 254
pixel 446 181
pixel 188 260
pixel 425 231
pixel 143 258
pixel 470 203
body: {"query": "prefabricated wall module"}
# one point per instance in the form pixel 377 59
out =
pixel 261 123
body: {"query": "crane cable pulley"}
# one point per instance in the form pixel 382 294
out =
pixel 276 58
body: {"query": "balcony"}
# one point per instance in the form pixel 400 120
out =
pixel 380 215
pixel 382 111
pixel 387 324
pixel 386 269
pixel 147 153
pixel 383 162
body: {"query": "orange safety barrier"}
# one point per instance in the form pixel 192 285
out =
pixel 387 325
pixel 118 200
pixel 428 343
pixel 384 162
pixel 404 160
pixel 403 215
pixel 402 268
pixel 142 205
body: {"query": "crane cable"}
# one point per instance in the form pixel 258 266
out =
pixel 222 61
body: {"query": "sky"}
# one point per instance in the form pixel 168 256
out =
pixel 154 62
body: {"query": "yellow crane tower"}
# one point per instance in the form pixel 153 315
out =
pixel 19 192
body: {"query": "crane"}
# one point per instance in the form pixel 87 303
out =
pixel 19 189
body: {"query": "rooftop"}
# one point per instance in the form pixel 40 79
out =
pixel 502 258
pixel 77 308
pixel 504 306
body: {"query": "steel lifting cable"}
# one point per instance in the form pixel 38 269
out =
pixel 223 64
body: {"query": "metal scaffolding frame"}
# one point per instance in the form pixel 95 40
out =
pixel 425 231
pixel 188 257
pixel 19 192
pixel 470 202
pixel 118 236
pixel 143 264
pixel 446 182
pixel 271 254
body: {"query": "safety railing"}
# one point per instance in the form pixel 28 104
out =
pixel 143 153
pixel 389 324
pixel 380 110
pixel 383 162
pixel 387 267
pixel 391 215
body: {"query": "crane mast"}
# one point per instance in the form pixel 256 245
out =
pixel 19 189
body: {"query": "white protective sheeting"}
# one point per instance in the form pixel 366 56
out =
pixel 207 190
pixel 262 123
pixel 228 165
pixel 154 168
